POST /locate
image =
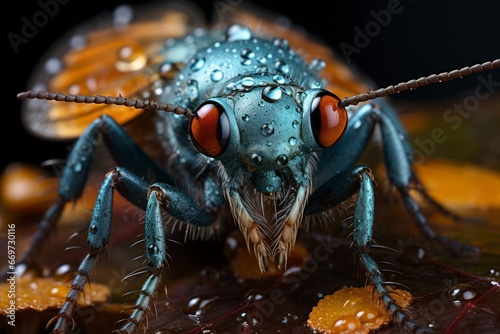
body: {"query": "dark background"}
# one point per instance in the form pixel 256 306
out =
pixel 426 37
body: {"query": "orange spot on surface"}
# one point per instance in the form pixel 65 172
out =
pixel 353 310
pixel 461 185
pixel 42 293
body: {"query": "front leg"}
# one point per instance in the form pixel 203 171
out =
pixel 398 163
pixel 74 176
pixel 340 188
pixel 179 205
pixel 150 198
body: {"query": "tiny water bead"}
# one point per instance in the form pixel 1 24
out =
pixel 199 305
pixel 131 58
pixel 462 292
pixel 254 295
pixel 217 75
pixel 494 273
pixel 65 271
pixel 196 64
pixel 272 94
pixel 267 129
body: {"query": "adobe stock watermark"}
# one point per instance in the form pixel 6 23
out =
pixel 31 24
pixel 454 116
pixel 363 37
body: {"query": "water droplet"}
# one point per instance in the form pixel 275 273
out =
pixel 261 103
pixel 317 65
pixel 255 318
pixel 462 292
pixel 255 159
pixel 300 96
pixel 315 84
pixel 246 62
pixel 282 66
pixel 131 58
pixel 367 314
pixel 290 319
pixel 237 32
pixel 282 160
pixel 247 54
pixel 281 43
pixel 65 271
pixel 253 295
pixel 167 71
pixel 53 65
pixel 248 82
pixel 348 323
pixel 78 41
pixel 77 168
pixel 153 249
pixel 217 75
pixel 295 124
pixel 266 130
pixel 199 305
pixel 122 15
pixel 31 270
pixel 262 60
pixel 495 273
pixel 292 141
pixel 272 94
pixel 208 331
pixel 196 64
pixel 245 117
pixel 278 78
pixel 93 229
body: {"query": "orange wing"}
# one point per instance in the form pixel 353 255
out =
pixel 124 58
pixel 113 56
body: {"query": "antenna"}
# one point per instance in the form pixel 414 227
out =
pixel 353 100
pixel 98 99
pixel 424 81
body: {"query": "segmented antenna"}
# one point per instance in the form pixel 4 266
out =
pixel 424 81
pixel 98 99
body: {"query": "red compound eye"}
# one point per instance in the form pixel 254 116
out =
pixel 328 120
pixel 210 129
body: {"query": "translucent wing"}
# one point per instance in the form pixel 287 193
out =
pixel 343 80
pixel 115 54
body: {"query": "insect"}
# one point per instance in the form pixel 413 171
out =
pixel 247 128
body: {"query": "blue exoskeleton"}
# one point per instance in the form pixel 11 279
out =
pixel 251 133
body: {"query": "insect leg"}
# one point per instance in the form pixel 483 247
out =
pixel 402 175
pixel 98 235
pixel 340 188
pixel 398 162
pixel 74 176
pixel 179 205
